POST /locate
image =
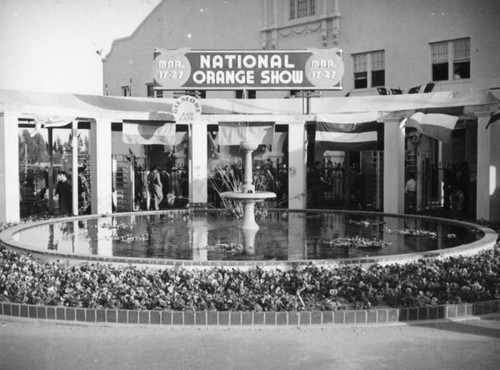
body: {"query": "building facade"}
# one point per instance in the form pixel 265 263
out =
pixel 389 47
pixel 401 59
pixel 390 43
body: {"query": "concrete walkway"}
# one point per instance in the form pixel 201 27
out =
pixel 471 343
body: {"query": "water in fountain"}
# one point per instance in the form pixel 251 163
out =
pixel 214 236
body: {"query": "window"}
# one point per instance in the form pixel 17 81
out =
pixel 451 60
pixel 302 8
pixel 369 69
pixel 251 94
pixel 126 90
pixel 150 91
pixel 378 68
pixel 198 94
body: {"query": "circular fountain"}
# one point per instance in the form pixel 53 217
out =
pixel 248 197
pixel 212 238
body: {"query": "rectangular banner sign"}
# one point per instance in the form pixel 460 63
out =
pixel 309 69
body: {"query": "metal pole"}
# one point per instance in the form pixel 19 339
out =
pixel 74 167
pixel 51 173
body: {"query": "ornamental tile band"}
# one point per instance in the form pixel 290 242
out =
pixel 251 318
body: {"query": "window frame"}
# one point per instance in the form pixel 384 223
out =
pixel 449 62
pixel 125 90
pixel 296 6
pixel 150 91
pixel 368 67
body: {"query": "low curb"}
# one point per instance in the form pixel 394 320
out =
pixel 250 318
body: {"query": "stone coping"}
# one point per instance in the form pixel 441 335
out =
pixel 488 241
pixel 250 318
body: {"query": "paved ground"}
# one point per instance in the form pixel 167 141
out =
pixel 473 343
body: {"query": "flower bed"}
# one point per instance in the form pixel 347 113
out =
pixel 23 279
pixel 453 280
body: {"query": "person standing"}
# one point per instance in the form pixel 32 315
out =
pixel 317 183
pixel 175 183
pixel 155 188
pixel 411 193
pixel 64 192
pixel 337 183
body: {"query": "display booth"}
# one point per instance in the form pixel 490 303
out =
pixel 121 129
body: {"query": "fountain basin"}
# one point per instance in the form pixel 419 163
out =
pixel 211 238
pixel 257 196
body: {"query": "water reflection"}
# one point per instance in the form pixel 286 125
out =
pixel 214 236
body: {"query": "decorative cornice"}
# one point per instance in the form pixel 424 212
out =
pixel 327 26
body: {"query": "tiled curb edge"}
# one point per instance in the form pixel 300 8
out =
pixel 234 318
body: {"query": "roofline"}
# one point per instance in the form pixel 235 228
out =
pixel 125 38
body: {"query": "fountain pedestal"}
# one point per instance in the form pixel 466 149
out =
pixel 248 196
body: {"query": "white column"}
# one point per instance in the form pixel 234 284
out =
pixel 297 154
pixel 100 169
pixel 198 186
pixel 494 172
pixel 485 171
pixel 394 165
pixel 9 168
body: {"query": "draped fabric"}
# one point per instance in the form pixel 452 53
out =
pixel 435 125
pixel 494 118
pixel 350 132
pixel 233 133
pixel 149 133
pixel 53 121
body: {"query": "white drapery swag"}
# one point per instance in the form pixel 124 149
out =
pixel 437 126
pixel 149 133
pixel 233 133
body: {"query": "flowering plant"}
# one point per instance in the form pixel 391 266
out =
pixel 24 279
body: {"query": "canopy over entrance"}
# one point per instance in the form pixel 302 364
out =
pixel 249 110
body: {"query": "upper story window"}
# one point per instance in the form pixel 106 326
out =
pixel 150 91
pixel 126 90
pixel 369 69
pixel 302 8
pixel 451 60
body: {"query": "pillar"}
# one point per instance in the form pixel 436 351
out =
pixel 487 169
pixel 100 162
pixel 494 172
pixel 248 148
pixel 394 165
pixel 198 169
pixel 9 168
pixel 297 155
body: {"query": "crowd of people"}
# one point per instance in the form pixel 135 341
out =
pixel 268 175
pixel 332 185
pixel 456 184
pixel 161 188
pixel 34 195
pixel 329 185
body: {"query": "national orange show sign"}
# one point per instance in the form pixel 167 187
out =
pixel 185 69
